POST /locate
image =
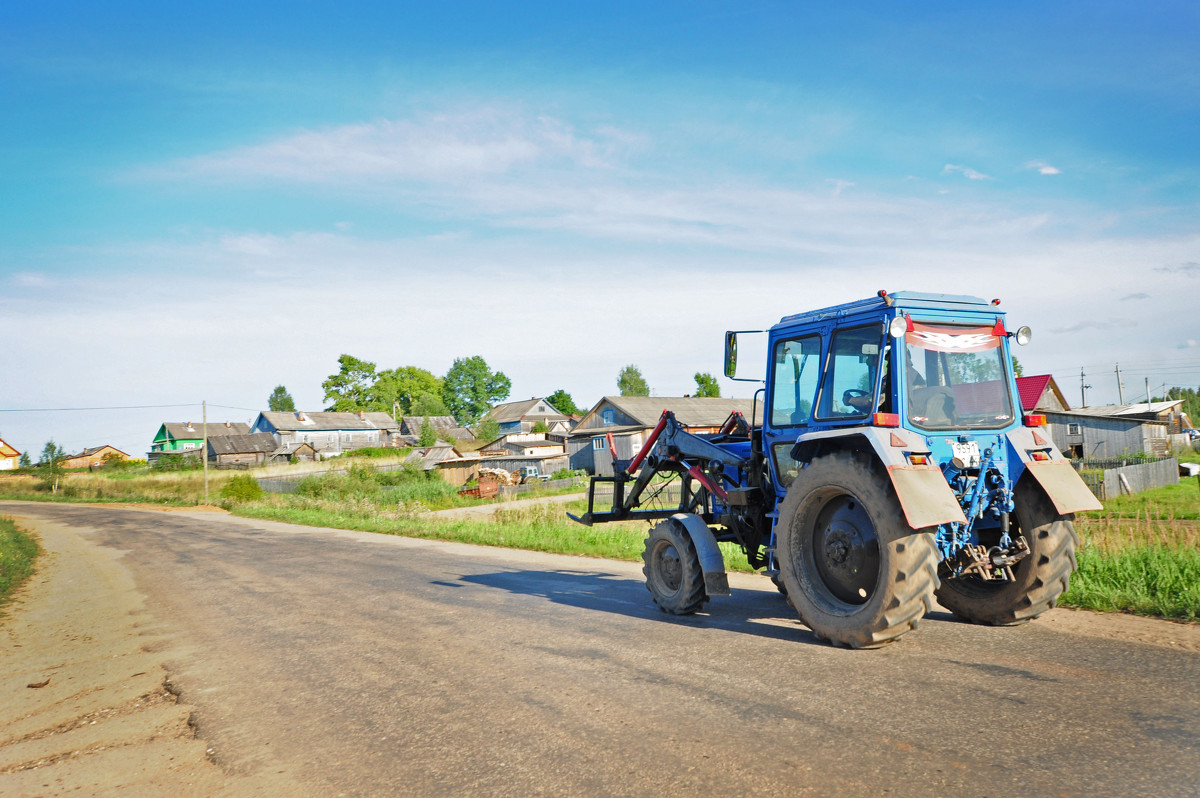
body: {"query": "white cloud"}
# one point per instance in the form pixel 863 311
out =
pixel 1043 168
pixel 965 171
pixel 435 147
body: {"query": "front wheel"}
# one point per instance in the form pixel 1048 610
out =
pixel 853 569
pixel 1038 579
pixel 673 574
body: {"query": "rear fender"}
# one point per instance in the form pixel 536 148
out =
pixel 712 562
pixel 924 494
pixel 1063 485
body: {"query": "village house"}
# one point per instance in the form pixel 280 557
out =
pixel 10 458
pixel 523 416
pixel 234 450
pixel 188 437
pixel 445 426
pixel 630 419
pixel 94 457
pixel 331 433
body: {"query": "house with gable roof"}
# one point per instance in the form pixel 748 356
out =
pixel 630 420
pixel 188 436
pixel 331 433
pixel 522 417
pixel 10 458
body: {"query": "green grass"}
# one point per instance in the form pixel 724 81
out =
pixel 1159 581
pixel 1180 501
pixel 18 552
pixel 1140 555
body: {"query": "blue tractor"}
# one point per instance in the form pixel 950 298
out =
pixel 892 465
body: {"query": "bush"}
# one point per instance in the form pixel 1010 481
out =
pixel 242 488
pixel 174 461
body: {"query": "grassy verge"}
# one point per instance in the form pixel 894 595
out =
pixel 1140 555
pixel 1145 566
pixel 18 551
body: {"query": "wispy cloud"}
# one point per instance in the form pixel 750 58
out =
pixel 436 147
pixel 965 171
pixel 1043 168
pixel 1189 269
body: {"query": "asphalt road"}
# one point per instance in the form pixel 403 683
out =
pixel 365 664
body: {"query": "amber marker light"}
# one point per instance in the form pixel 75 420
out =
pixel 885 420
pixel 1035 420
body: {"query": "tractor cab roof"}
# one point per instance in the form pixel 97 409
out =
pixel 906 300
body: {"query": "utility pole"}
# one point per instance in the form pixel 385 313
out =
pixel 1120 385
pixel 204 450
pixel 1082 390
pixel 1147 393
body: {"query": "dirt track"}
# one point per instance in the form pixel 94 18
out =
pixel 107 722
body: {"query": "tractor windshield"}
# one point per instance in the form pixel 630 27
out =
pixel 956 378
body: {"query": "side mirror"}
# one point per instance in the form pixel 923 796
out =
pixel 730 354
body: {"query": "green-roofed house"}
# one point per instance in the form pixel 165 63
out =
pixel 188 436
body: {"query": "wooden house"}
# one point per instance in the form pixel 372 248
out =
pixel 445 426
pixel 631 419
pixel 10 458
pixel 251 449
pixel 189 435
pixel 1040 393
pixel 331 433
pixel 523 416
pixel 94 457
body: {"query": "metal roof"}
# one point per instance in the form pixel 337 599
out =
pixel 194 430
pixel 330 421
pixel 519 411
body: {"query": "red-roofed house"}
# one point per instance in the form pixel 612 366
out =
pixel 1040 393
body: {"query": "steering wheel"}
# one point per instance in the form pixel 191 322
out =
pixel 856 398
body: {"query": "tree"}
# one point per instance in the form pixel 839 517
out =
pixel 488 430
pixel 631 382
pixel 429 405
pixel 280 401
pixel 561 401
pixel 350 388
pixel 23 461
pixel 1017 370
pixel 470 388
pixel 51 464
pixel 706 385
pixel 403 387
pixel 428 434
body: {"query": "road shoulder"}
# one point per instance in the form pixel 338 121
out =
pixel 87 701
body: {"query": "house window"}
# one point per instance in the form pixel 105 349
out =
pixel 599 444
pixel 189 446
pixel 609 418
pixel 1073 429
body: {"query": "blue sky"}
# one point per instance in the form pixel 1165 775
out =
pixel 202 201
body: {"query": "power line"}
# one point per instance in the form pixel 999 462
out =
pixel 88 409
pixel 115 407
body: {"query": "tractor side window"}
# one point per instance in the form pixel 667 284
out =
pixel 850 382
pixel 794 382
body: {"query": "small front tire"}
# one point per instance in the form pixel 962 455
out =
pixel 672 569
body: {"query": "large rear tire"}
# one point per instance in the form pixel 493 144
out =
pixel 1039 579
pixel 853 568
pixel 673 574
